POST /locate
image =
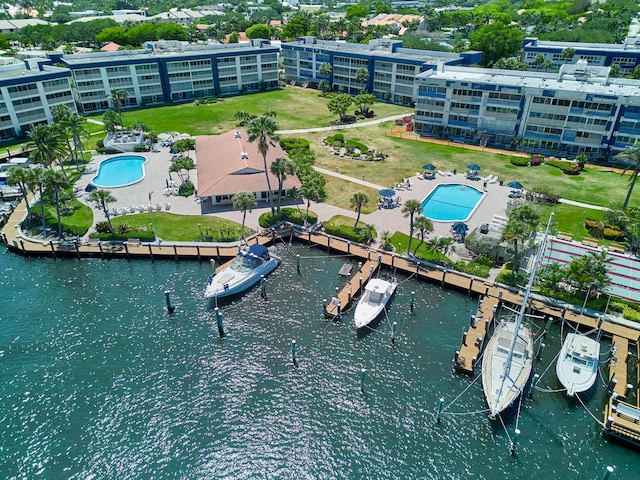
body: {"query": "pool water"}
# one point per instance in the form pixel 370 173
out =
pixel 451 203
pixel 120 171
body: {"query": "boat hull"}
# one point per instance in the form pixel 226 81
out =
pixel 367 311
pixel 503 381
pixel 227 282
pixel 577 365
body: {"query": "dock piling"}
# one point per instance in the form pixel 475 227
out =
pixel 540 349
pixel 394 331
pixel 324 306
pixel 263 287
pixel 170 306
pixel 219 322
pixel 536 378
pixel 514 443
pixel 411 301
pixel 212 262
pixel 609 470
pixel 298 263
pixel 440 406
pixel 363 374
pixel 293 353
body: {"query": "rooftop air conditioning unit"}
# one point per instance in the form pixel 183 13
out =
pixel 244 155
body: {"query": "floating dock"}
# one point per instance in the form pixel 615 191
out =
pixel 342 301
pixel 474 338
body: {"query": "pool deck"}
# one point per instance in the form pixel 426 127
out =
pixel 493 203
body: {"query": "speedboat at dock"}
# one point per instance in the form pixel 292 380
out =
pixel 243 272
pixel 577 365
pixel 377 294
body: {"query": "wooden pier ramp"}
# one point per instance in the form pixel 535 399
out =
pixel 352 289
pixel 474 338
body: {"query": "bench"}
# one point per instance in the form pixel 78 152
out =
pixel 614 247
pixel 564 236
pixel 591 242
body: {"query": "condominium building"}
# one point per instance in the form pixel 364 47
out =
pixel 168 71
pixel 29 91
pixel 626 55
pixel 579 110
pixel 391 69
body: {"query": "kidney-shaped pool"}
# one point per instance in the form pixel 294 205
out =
pixel 120 171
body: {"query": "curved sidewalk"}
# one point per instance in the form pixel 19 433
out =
pixel 346 125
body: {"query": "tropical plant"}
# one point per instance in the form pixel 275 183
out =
pixel 19 177
pixel 263 130
pixel 567 54
pixel 181 167
pixel 111 120
pixel 424 225
pixel 76 126
pixel 339 104
pixel 312 188
pixel 325 69
pixel 410 209
pixel 552 275
pixel 631 155
pixel 36 181
pixel 523 220
pixel 589 272
pixel 385 238
pixel 119 98
pixel 358 200
pixel 244 201
pixel 57 181
pixel 362 76
pixel 48 144
pixel 281 168
pixel 103 198
pixel 295 194
pixel 365 100
pixel 243 117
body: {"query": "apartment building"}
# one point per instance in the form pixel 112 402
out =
pixel 28 92
pixel 626 55
pixel 168 71
pixel 392 69
pixel 579 110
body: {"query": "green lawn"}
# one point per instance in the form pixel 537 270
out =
pixel 295 108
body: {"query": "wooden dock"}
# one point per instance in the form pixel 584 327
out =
pixel 351 290
pixel 474 338
pixel 618 365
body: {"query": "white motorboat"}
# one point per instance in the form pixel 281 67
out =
pixel 508 358
pixel 577 365
pixel 244 272
pixel 377 294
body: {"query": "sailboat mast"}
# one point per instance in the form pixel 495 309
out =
pixel 525 301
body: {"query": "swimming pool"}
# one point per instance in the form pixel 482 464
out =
pixel 450 203
pixel 120 171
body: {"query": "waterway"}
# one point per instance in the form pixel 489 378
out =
pixel 99 381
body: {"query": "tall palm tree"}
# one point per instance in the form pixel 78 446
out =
pixel 119 97
pixel 281 168
pixel 312 188
pixel 48 145
pixel 632 156
pixel 410 209
pixel 103 198
pixel 19 177
pixel 358 200
pixel 263 130
pixel 523 220
pixel 76 125
pixel 424 225
pixel 36 181
pixel 244 201
pixel 295 194
pixel 56 181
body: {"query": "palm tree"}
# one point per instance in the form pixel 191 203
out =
pixel 295 194
pixel 36 180
pixel 312 189
pixel 631 155
pixel 119 97
pixel 358 200
pixel 19 176
pixel 103 198
pixel 424 226
pixel 263 130
pixel 567 54
pixel 243 117
pixel 56 181
pixel 362 77
pixel 281 168
pixel 523 220
pixel 244 201
pixel 111 120
pixel 48 145
pixel 76 125
pixel 410 209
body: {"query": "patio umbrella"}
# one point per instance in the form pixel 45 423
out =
pixel 516 185
pixel 460 228
pixel 474 167
pixel 387 192
pixel 429 166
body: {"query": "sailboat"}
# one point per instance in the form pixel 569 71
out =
pixel 508 358
pixel 577 365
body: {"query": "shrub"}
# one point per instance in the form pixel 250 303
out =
pixel 519 162
pixel 508 278
pixel 535 160
pixel 613 234
pixel 472 268
pixel 124 228
pixel 485 260
pixel 186 189
pixel 567 168
pixel 140 148
pixel 102 227
pixel 347 232
pixel 286 214
pixel 355 144
pixel 290 144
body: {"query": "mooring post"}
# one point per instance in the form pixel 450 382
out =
pixel 440 407
pixel 609 470
pixel 514 444
pixel 324 306
pixel 219 322
pixel 349 295
pixel 339 314
pixel 151 253
pixel 298 263
pixel 464 338
pixel 394 331
pixel 293 353
pixel 412 299
pixel 536 379
pixel 170 306
pixel 197 250
pixel 212 262
pixel 53 250
pixel 263 287
pixel 360 287
pixel 540 349
pixel 548 325
pixel 126 249
pixel 370 271
pixel 363 374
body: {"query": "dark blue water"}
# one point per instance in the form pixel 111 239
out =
pixel 98 381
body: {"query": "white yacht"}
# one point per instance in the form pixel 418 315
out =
pixel 377 293
pixel 245 271
pixel 577 365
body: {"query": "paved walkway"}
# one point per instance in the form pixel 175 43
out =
pixel 583 205
pixel 346 125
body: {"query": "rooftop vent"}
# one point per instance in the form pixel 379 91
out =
pixel 244 155
pixel 236 134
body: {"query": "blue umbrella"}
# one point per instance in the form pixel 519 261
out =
pixel 516 185
pixel 429 166
pixel 473 167
pixel 387 192
pixel 460 228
